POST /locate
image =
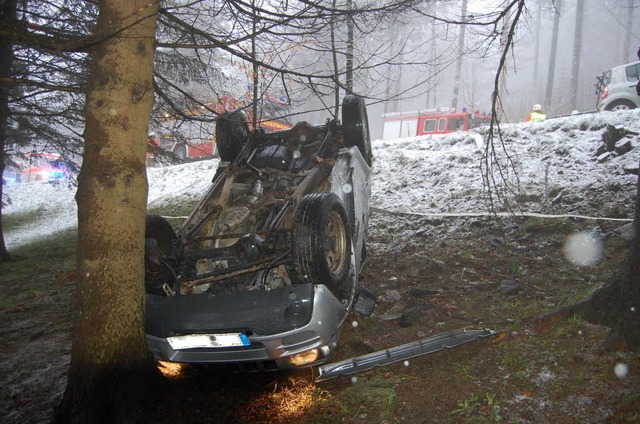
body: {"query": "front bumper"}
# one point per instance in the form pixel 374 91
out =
pixel 279 324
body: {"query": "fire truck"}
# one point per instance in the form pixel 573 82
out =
pixel 427 122
pixel 193 140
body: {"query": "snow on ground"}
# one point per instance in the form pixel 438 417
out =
pixel 554 170
pixel 440 174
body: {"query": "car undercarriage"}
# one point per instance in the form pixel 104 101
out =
pixel 268 265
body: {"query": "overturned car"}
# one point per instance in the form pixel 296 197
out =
pixel 267 267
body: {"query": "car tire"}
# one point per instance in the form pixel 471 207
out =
pixel 355 126
pixel 231 134
pixel 159 254
pixel 620 105
pixel 321 243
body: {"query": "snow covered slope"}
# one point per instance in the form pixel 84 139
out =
pixel 551 168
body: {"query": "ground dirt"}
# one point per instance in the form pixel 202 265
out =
pixel 430 276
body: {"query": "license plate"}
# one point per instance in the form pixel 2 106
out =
pixel 193 341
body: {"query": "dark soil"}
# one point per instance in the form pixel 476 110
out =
pixel 449 274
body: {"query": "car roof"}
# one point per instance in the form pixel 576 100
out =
pixel 626 64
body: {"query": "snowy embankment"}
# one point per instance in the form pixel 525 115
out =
pixel 554 166
pixel 57 210
pixel 551 167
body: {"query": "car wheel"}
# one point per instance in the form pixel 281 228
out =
pixel 231 134
pixel 159 254
pixel 621 105
pixel 321 245
pixel 356 125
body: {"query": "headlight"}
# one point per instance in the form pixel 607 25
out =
pixel 304 358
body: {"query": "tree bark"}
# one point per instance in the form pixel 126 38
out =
pixel 617 304
pixel 577 50
pixel 255 78
pixel 336 70
pixel 458 75
pixel 350 46
pixel 627 52
pixel 7 18
pixel 552 58
pixel 536 56
pixel 109 358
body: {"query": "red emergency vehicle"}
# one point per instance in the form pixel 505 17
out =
pixel 440 121
pixel 37 166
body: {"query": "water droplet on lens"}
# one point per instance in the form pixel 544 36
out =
pixel 583 249
pixel 621 370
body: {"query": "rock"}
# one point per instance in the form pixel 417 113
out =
pixel 390 316
pixel 423 292
pixel 510 286
pixel 611 135
pixel 626 231
pixel 623 146
pixel 483 285
pixel 391 296
pixel 631 169
pixel 495 241
pixel 604 157
pixel 410 317
pixel 394 312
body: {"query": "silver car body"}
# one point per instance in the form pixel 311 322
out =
pixel 618 90
pixel 274 324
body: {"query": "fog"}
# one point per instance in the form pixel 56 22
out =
pixel 607 41
pixel 422 73
pixel 413 59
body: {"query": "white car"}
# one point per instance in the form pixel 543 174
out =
pixel 617 87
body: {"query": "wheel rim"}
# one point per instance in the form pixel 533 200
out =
pixel 621 107
pixel 335 243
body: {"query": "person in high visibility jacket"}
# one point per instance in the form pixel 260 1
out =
pixel 536 114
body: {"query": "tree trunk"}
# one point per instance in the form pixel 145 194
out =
pixel 336 70
pixel 458 75
pixel 577 50
pixel 536 54
pixel 109 359
pixel 7 18
pixel 255 78
pixel 433 68
pixel 627 52
pixel 617 304
pixel 552 58
pixel 350 45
